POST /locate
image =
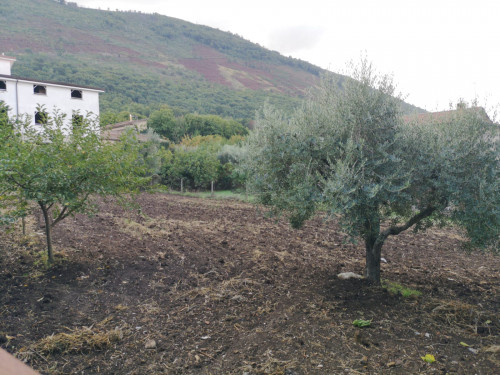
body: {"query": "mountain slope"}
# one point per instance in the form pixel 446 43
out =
pixel 145 60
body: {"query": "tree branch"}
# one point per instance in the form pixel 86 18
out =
pixel 65 212
pixel 392 231
pixel 60 216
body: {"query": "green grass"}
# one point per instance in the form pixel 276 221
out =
pixel 223 194
pixel 395 288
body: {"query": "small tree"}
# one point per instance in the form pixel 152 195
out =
pixel 350 152
pixel 63 172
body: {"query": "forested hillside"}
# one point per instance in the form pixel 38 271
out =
pixel 146 60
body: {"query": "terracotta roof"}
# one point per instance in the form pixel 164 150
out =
pixel 141 124
pixel 50 82
pixel 113 132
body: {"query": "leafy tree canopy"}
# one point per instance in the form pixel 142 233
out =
pixel 164 123
pixel 352 153
pixel 63 169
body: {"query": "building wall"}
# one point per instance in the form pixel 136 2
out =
pixel 9 96
pixel 56 97
pixel 5 65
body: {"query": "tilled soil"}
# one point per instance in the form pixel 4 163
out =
pixel 193 286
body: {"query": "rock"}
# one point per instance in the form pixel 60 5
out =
pixel 475 351
pixel 238 298
pixel 150 344
pixel 349 275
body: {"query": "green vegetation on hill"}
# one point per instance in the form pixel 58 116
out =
pixel 144 92
pixel 144 61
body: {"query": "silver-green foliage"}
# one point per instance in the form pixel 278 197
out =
pixel 351 152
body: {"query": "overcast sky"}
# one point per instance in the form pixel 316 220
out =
pixel 437 50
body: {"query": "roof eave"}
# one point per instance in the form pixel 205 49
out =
pixel 52 83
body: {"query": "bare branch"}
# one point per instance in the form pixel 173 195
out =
pixel 395 230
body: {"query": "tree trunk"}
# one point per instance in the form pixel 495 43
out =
pixel 373 253
pixel 48 233
pixel 373 250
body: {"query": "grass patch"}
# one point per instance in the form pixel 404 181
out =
pixel 395 288
pixel 223 194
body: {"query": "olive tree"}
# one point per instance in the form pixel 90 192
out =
pixel 349 151
pixel 62 170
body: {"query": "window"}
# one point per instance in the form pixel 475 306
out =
pixel 41 118
pixel 3 85
pixel 76 121
pixel 40 90
pixel 76 94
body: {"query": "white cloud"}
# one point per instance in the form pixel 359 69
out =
pixel 295 38
pixel 438 50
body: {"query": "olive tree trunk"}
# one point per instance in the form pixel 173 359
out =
pixel 373 247
pixel 373 253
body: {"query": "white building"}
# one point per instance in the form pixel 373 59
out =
pixel 25 95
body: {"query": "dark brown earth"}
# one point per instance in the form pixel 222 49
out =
pixel 193 286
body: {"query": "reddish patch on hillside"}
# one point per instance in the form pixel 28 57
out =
pixel 15 44
pixel 67 39
pixel 209 63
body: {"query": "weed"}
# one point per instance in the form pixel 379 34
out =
pixel 395 288
pixel 360 323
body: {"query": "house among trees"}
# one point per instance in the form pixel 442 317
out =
pixel 26 96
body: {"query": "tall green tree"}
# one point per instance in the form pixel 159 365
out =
pixel 63 169
pixel 352 153
pixel 164 123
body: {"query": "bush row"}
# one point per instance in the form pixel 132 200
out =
pixel 196 161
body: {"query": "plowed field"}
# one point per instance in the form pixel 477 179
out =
pixel 198 286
